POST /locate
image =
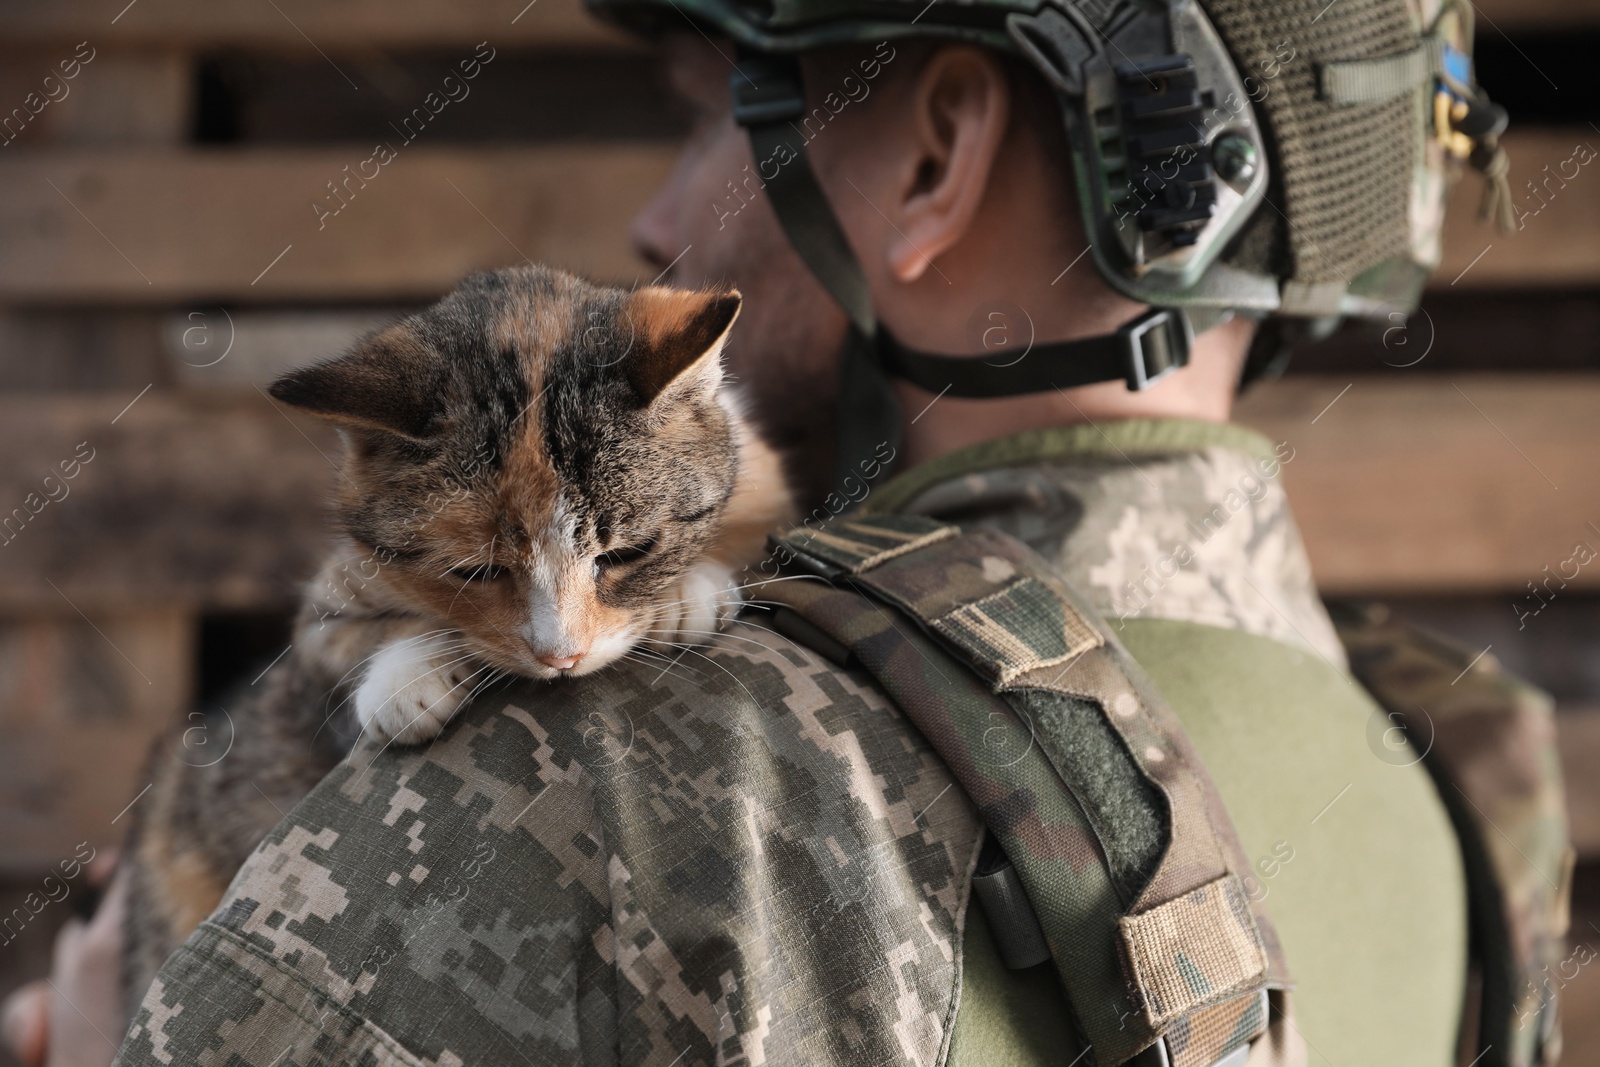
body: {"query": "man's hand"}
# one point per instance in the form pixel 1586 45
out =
pixel 74 1017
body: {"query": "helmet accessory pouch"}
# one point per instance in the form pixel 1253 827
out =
pixel 1151 100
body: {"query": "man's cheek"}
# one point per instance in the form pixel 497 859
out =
pixel 722 182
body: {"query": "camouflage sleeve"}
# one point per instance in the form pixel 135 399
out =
pixel 745 857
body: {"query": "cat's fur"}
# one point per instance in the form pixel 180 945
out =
pixel 541 475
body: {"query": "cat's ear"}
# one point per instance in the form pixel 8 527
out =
pixel 390 381
pixel 677 340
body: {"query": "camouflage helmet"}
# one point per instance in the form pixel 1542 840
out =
pixel 1274 158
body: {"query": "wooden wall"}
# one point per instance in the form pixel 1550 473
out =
pixel 160 260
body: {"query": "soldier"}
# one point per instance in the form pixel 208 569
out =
pixel 954 802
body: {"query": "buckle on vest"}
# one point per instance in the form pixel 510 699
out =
pixel 1153 346
pixel 766 89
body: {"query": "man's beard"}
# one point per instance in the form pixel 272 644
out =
pixel 784 358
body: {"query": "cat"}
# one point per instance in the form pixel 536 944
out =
pixel 541 477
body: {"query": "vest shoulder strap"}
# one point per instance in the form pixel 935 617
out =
pixel 1109 851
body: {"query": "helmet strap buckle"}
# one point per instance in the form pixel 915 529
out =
pixel 1154 345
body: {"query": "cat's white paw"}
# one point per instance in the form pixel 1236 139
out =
pixel 412 688
pixel 707 596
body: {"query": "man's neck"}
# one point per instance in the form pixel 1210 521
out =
pixel 935 426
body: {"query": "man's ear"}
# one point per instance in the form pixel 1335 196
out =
pixel 677 339
pixel 390 381
pixel 961 109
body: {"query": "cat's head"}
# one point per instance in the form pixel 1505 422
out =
pixel 535 460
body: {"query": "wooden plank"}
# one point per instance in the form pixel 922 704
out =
pixel 204 501
pixel 305 25
pixel 124 98
pixel 59 349
pixel 584 96
pixel 80 702
pixel 1416 484
pixel 1578 973
pixel 214 500
pixel 141 226
pixel 1522 330
pixel 1580 998
pixel 84 96
pixel 211 348
pixel 1578 733
pixel 170 226
pixel 1559 242
pixel 1513 16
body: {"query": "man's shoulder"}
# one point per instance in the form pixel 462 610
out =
pixel 655 856
pixel 1164 518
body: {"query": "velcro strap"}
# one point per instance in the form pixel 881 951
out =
pixel 1195 950
pixel 1368 81
pixel 1021 628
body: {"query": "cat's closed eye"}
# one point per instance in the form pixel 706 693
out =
pixel 625 554
pixel 478 572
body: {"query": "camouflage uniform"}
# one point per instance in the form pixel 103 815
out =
pixel 749 856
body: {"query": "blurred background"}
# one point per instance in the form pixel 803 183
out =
pixel 197 206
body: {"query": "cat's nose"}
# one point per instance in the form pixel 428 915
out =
pixel 560 663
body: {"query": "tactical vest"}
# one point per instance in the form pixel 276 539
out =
pixel 1489 742
pixel 1109 852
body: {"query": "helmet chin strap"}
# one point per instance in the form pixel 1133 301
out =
pixel 767 97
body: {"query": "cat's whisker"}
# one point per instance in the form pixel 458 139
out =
pixel 640 648
pixel 478 569
pixel 757 602
pixel 668 669
pixel 730 596
pixel 350 695
pixel 495 674
pixel 446 666
pixel 387 644
pixel 656 656
pixel 745 620
pixel 762 645
pixel 652 655
pixel 492 626
pixel 732 637
pixel 660 622
pixel 730 592
pixel 784 578
pixel 736 594
pixel 778 633
pixel 401 642
pixel 690 649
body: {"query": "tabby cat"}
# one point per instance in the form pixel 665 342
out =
pixel 541 477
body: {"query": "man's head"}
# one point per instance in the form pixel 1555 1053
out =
pixel 948 170
pixel 1041 171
